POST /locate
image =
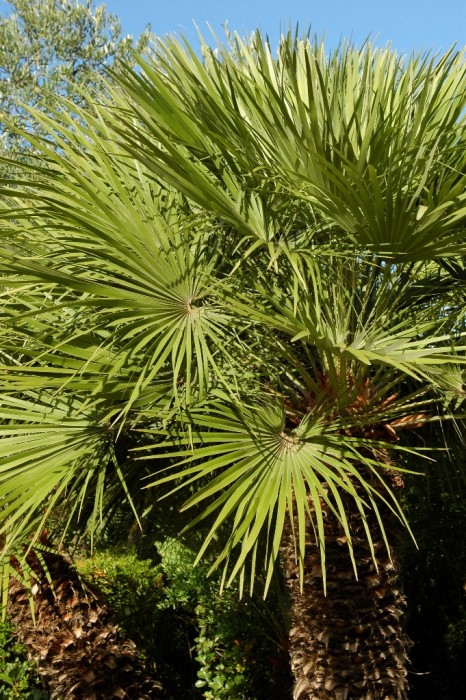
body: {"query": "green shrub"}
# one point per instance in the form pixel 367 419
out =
pixel 240 647
pixel 204 644
pixel 133 588
pixel 18 676
pixel 222 672
pixel 159 620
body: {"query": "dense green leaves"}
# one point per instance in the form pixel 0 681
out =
pixel 354 139
pixel 242 277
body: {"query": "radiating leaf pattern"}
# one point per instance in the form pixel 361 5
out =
pixel 246 267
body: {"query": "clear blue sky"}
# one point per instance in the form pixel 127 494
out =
pixel 407 24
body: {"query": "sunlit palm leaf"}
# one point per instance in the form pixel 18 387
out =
pixel 364 137
pixel 48 447
pixel 261 470
pixel 140 274
pixel 256 262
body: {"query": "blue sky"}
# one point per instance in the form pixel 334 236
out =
pixel 407 24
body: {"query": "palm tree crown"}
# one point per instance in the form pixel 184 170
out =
pixel 243 267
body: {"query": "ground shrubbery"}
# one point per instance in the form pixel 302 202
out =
pixel 204 644
pixel 18 677
pixel 214 646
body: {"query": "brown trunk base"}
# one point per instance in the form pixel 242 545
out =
pixel 349 644
pixel 74 641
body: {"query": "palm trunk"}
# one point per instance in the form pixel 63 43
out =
pixel 74 641
pixel 350 643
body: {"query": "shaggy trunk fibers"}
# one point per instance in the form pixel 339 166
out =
pixel 349 644
pixel 74 640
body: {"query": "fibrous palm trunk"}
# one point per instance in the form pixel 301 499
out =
pixel 74 641
pixel 348 644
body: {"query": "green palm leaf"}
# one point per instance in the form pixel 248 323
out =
pixel 256 260
pixel 260 471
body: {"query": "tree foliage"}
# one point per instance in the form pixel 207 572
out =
pixel 53 47
pixel 229 266
pixel 241 278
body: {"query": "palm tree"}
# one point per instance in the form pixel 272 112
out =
pixel 239 267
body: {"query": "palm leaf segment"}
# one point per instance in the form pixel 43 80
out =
pixel 117 323
pixel 319 424
pixel 233 257
pixel 357 135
